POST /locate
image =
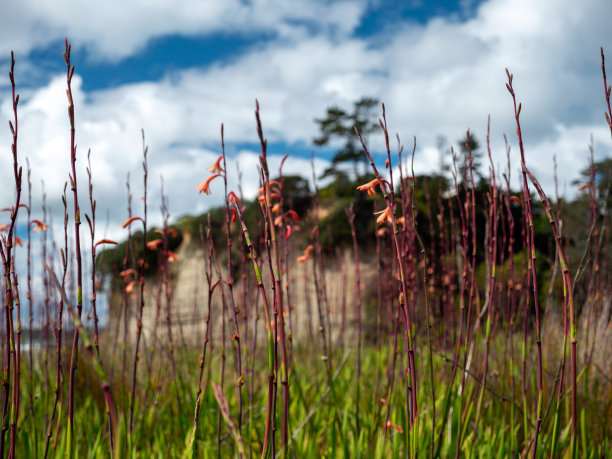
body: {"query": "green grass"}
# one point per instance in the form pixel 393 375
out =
pixel 162 429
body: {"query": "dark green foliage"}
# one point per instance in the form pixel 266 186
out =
pixel 111 260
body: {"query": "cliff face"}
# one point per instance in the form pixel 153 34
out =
pixel 180 312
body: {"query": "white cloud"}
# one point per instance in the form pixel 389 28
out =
pixel 437 78
pixel 116 29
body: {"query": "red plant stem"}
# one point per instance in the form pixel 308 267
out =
pixel 11 292
pixel 389 198
pixel 466 210
pixel 531 239
pixel 223 326
pixel 266 308
pixel 29 296
pixel 351 218
pixel 320 286
pixel 607 90
pixel 141 280
pixel 207 258
pixel 510 287
pixel 58 329
pixel 379 303
pixel 568 291
pixel 92 231
pixel 230 285
pixel 278 281
pixel 286 240
pixel 492 264
pixel 166 282
pixel 77 241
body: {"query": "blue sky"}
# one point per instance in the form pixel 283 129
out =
pixel 180 69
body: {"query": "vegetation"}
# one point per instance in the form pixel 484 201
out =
pixel 386 314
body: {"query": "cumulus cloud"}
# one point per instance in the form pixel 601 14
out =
pixel 117 29
pixel 441 77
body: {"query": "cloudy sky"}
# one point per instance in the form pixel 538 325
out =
pixel 180 69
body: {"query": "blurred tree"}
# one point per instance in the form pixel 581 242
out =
pixel 466 145
pixel 603 182
pixel 340 124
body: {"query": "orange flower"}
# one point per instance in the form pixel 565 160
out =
pixel 370 187
pixel 172 257
pixel 38 226
pixel 383 215
pixel 5 227
pixel 128 273
pixel 102 241
pixel 215 168
pixel 152 245
pixel 203 187
pixel 129 221
pixel 515 199
pixel 18 242
pixel 584 187
pixel 306 256
pixel 130 286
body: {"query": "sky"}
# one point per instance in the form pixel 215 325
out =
pixel 177 70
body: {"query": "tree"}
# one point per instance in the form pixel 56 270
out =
pixel 340 124
pixel 467 145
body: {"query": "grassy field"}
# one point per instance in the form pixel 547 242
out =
pixel 482 328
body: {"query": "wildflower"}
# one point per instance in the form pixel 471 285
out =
pixel 584 187
pixel 18 242
pixel 154 244
pixel 38 226
pixel 130 287
pixel 233 199
pixel 129 221
pixel 370 187
pixel 172 257
pixel 203 187
pixel 515 199
pixel 288 233
pixel 216 168
pixel 306 256
pixel 128 273
pixel 383 215
pixel 101 241
pixel 5 226
pixel 397 428
pixel 294 215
